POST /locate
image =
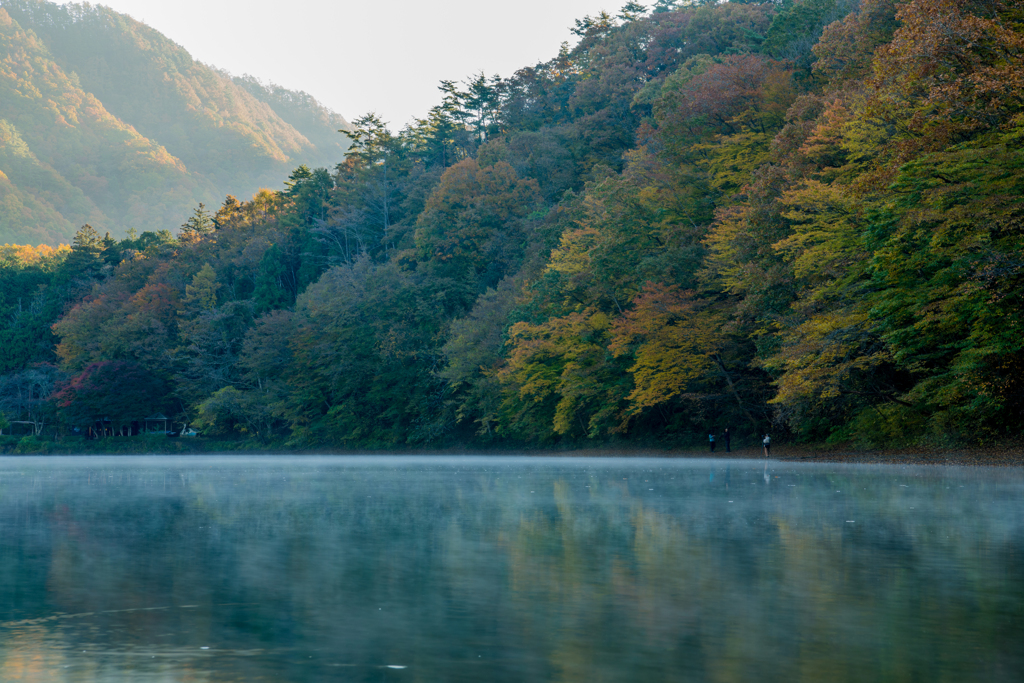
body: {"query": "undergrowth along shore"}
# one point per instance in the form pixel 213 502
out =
pixel 1001 455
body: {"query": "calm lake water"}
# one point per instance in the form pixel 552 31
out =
pixel 507 569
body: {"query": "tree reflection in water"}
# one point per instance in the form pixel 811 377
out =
pixel 507 569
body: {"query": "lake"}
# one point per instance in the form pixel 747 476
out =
pixel 302 569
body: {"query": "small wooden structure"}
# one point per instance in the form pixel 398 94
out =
pixel 155 420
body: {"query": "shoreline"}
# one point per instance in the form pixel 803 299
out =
pixel 1002 456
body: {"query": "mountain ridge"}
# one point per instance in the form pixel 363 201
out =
pixel 197 133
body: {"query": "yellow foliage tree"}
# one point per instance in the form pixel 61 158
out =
pixel 673 341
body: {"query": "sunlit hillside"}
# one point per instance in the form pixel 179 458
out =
pixel 106 121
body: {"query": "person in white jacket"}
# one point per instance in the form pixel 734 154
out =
pixel 767 441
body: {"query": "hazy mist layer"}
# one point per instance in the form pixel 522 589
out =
pixel 507 569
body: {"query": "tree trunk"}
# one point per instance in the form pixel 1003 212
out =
pixel 735 393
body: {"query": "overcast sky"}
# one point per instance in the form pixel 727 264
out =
pixel 365 56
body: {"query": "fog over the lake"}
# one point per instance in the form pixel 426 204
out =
pixel 361 57
pixel 507 569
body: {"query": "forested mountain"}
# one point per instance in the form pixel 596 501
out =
pixel 800 216
pixel 106 121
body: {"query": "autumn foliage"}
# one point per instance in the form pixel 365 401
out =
pixel 800 217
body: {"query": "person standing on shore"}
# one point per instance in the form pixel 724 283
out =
pixel 711 438
pixel 726 438
pixel 767 446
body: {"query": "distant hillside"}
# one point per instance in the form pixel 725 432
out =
pixel 319 124
pixel 104 120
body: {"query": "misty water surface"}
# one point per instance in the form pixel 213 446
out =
pixel 507 569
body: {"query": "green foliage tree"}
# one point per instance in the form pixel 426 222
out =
pixel 198 224
pixel 26 396
pixel 472 226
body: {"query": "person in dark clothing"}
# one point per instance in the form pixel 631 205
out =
pixel 711 438
pixel 726 438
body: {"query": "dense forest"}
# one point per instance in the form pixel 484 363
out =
pixel 802 217
pixel 105 121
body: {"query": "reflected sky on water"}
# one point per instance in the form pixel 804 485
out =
pixel 507 569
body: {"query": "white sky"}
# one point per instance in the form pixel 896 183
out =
pixel 360 56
